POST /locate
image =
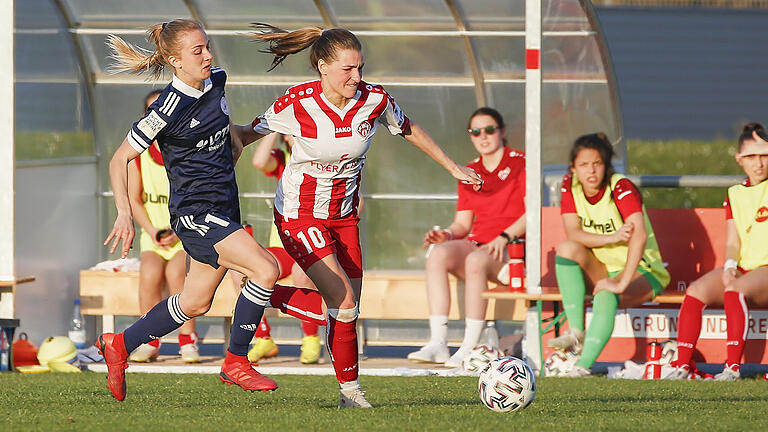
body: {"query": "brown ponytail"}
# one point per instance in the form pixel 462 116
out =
pixel 136 60
pixel 325 43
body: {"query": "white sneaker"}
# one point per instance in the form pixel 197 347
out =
pixel 431 353
pixel 571 339
pixel 729 373
pixel 189 353
pixel 354 398
pixel 457 359
pixel 669 372
pixel 144 353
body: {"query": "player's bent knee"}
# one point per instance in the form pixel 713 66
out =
pixel 570 249
pixel 344 315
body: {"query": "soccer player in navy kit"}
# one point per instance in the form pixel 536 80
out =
pixel 190 122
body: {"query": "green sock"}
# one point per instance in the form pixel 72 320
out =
pixel 570 279
pixel 604 307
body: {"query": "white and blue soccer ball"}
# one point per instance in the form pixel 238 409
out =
pixel 479 357
pixel 507 384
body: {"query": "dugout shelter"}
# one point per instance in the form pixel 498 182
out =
pixel 63 114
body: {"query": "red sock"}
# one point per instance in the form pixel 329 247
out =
pixel 186 339
pixel 154 342
pixel 232 358
pixel 310 328
pixel 263 331
pixel 342 346
pixel 302 303
pixel 688 328
pixel 119 343
pixel 736 315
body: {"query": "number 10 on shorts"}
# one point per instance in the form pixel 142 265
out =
pixel 312 233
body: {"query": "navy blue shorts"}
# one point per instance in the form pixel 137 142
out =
pixel 199 233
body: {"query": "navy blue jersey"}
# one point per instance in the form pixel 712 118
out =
pixel 192 129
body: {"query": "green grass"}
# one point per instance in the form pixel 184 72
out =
pixel 306 403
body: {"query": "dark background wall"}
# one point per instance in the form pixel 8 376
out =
pixel 688 73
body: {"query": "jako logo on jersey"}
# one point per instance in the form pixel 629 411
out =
pixel 503 174
pixel 762 214
pixel 344 129
pixel 214 141
pixel 224 107
pixel 364 128
pixel 193 123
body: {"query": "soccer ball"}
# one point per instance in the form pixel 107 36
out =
pixel 479 357
pixel 507 384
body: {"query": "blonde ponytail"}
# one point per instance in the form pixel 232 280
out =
pixel 136 60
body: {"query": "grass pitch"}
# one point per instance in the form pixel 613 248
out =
pixel 157 402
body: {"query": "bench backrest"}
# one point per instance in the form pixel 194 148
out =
pixel 692 242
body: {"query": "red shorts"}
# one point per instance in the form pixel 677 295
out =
pixel 308 240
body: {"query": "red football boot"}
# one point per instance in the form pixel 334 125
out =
pixel 238 370
pixel 112 348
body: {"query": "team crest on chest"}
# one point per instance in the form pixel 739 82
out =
pixel 364 128
pixel 224 107
pixel 503 174
pixel 762 214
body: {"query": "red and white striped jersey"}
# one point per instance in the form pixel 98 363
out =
pixel 322 179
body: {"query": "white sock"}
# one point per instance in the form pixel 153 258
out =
pixel 472 330
pixel 347 386
pixel 438 329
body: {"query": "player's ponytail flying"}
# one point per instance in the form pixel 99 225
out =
pixel 136 60
pixel 325 43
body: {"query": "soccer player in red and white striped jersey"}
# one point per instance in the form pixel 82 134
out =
pixel 332 120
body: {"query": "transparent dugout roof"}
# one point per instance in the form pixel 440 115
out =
pixel 440 59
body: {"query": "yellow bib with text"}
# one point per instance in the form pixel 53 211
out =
pixel 749 206
pixel 604 218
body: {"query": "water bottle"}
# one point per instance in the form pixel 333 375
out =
pixel 490 336
pixel 77 327
pixel 431 245
pixel 5 352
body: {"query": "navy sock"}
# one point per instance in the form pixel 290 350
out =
pixel 248 312
pixel 162 319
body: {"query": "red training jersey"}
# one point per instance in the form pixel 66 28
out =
pixel 500 202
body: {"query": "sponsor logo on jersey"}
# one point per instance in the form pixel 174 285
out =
pixel 214 141
pixel 364 128
pixel 151 125
pixel 343 129
pixel 154 198
pixel 503 174
pixel 193 123
pixel 762 214
pixel 602 228
pixel 224 107
pixel 249 327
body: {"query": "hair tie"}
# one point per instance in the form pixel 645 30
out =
pixel 162 28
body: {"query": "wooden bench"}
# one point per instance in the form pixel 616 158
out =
pixel 691 242
pixel 387 295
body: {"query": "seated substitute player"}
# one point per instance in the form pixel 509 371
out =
pixel 474 246
pixel 270 157
pixel 745 272
pixel 610 249
pixel 190 122
pixel 163 260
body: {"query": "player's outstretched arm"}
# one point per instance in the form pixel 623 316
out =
pixel 244 134
pixel 118 175
pixel 421 139
pixel 263 160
